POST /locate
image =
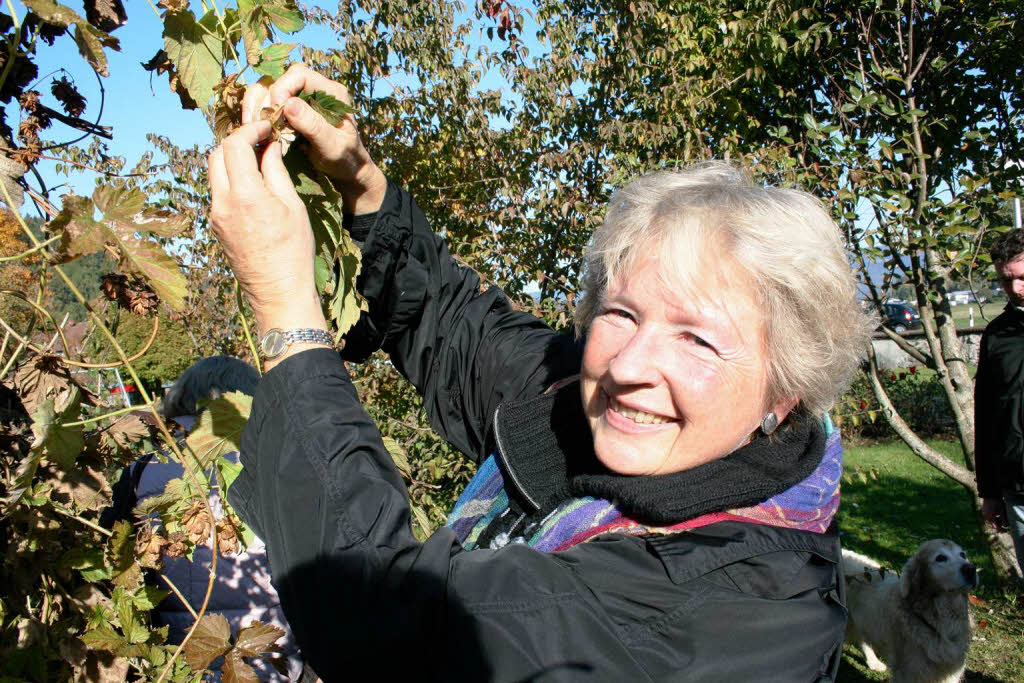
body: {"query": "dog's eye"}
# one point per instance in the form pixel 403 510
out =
pixel 941 558
pixel 963 555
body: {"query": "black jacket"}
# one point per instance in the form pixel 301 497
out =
pixel 999 405
pixel 726 602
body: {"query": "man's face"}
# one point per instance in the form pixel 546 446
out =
pixel 1011 277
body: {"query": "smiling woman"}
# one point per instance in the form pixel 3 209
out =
pixel 654 499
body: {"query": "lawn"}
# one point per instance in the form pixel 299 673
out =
pixel 892 501
pixel 983 313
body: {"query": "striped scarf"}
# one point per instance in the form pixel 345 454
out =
pixel 809 505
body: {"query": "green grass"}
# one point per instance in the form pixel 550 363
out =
pixel 892 501
pixel 983 314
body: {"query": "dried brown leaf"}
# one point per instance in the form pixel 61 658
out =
pixel 258 638
pixel 235 670
pixel 211 639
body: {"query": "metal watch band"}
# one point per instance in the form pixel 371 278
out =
pixel 308 335
pixel 276 341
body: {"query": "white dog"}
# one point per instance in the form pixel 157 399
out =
pixel 917 621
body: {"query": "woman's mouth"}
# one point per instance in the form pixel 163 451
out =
pixel 633 415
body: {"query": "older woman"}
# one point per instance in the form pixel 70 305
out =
pixel 652 504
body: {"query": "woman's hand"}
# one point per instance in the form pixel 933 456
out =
pixel 337 151
pixel 264 229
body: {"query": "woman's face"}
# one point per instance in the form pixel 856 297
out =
pixel 670 382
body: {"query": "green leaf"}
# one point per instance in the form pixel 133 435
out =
pixel 174 492
pixel 104 638
pixel 229 471
pixel 219 427
pixel 88 561
pixel 398 455
pixel 62 444
pixel 273 60
pixel 120 556
pixel 328 106
pixel 211 639
pixel 284 15
pixel 196 51
pixel 257 638
pixel 347 303
pixel 146 598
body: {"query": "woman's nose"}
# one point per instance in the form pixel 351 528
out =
pixel 636 362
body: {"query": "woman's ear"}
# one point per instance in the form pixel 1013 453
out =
pixel 783 407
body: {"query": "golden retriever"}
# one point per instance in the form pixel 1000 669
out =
pixel 916 621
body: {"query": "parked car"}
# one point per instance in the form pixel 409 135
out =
pixel 900 317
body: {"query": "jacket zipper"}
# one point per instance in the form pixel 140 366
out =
pixel 511 473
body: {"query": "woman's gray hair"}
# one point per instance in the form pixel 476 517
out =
pixel 208 379
pixel 814 329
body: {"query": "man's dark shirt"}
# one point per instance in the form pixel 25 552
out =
pixel 999 405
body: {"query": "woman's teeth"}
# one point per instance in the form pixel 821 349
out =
pixel 637 416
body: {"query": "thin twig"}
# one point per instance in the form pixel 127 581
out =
pixel 31 251
pixel 91 525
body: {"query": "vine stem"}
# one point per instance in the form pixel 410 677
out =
pixel 12 44
pixel 91 525
pixel 190 469
pixel 31 251
pixel 104 416
pixel 21 346
pixel 60 331
pixel 177 594
pixel 238 61
pixel 79 364
pixel 245 329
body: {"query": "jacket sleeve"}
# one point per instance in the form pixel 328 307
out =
pixel 465 350
pixel 986 458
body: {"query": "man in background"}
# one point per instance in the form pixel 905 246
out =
pixel 999 399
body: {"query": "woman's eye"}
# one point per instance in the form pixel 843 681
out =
pixel 699 341
pixel 617 313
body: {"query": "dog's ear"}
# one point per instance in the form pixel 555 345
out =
pixel 913 574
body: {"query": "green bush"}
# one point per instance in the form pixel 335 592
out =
pixel 915 392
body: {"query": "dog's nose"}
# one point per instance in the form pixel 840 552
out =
pixel 970 574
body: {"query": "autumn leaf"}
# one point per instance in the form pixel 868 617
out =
pixel 235 670
pixel 210 640
pixel 219 427
pixel 125 213
pixel 90 40
pixel 104 638
pixel 196 51
pixel 83 487
pixel 347 303
pixel 257 638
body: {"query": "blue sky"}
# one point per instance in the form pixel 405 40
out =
pixel 137 103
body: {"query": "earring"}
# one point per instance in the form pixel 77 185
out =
pixel 770 423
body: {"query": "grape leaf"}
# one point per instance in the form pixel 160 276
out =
pixel 27 468
pixel 273 59
pixel 219 427
pixel 235 670
pixel 90 40
pixel 398 455
pixel 104 638
pixel 197 52
pixel 347 303
pixel 257 638
pixel 328 106
pixel 174 492
pixel 284 15
pixel 124 215
pixel 119 556
pixel 211 639
pixel 62 444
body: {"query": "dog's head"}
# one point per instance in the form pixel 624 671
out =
pixel 938 566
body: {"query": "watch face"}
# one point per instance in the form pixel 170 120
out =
pixel 273 344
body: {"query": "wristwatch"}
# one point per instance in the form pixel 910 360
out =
pixel 276 341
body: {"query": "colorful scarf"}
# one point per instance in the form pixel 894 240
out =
pixel 809 505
